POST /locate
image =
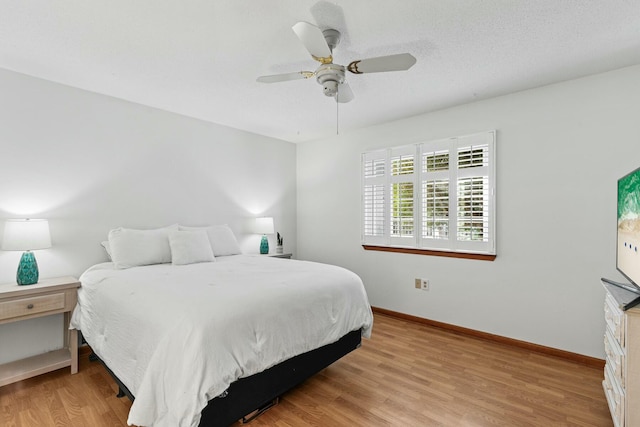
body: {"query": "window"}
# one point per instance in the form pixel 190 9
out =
pixel 437 195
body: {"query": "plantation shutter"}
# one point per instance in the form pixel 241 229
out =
pixel 374 207
pixel 436 163
pixel 474 193
pixel 402 163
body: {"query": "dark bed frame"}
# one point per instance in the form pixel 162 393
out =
pixel 255 394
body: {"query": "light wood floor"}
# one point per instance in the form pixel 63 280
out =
pixel 407 375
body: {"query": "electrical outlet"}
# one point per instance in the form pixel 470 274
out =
pixel 424 284
pixel 418 284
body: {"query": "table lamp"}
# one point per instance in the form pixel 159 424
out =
pixel 264 226
pixel 26 235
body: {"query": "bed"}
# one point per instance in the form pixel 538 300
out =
pixel 207 343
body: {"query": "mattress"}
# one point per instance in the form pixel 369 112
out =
pixel 178 336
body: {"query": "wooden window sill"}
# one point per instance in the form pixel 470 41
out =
pixel 415 251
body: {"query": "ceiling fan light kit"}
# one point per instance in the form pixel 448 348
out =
pixel 320 44
pixel 330 76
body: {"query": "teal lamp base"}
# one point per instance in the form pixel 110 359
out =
pixel 264 245
pixel 27 269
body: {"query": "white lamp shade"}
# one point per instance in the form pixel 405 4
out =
pixel 264 225
pixel 26 235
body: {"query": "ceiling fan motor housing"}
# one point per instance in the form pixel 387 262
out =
pixel 332 37
pixel 330 76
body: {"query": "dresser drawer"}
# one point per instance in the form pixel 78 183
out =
pixel 615 397
pixel 614 356
pixel 31 305
pixel 614 318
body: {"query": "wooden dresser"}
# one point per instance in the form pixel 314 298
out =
pixel 622 348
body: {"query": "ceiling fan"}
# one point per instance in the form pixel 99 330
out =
pixel 320 45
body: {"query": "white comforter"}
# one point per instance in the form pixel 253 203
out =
pixel 177 336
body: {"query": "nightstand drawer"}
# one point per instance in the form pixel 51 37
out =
pixel 27 306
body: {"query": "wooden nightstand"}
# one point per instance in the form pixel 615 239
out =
pixel 47 297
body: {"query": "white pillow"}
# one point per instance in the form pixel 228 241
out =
pixel 130 248
pixel 107 249
pixel 223 241
pixel 189 247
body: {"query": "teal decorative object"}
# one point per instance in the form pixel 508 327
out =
pixel 264 226
pixel 27 269
pixel 26 235
pixel 264 245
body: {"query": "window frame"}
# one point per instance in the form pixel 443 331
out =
pixel 481 213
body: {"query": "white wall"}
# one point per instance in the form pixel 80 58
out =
pixel 90 163
pixel 560 150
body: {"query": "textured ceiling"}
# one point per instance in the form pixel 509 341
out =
pixel 201 58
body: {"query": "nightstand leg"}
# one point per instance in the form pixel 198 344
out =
pixel 71 342
pixel 73 348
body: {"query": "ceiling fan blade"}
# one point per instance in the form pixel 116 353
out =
pixel 313 39
pixel 275 78
pixel 345 94
pixel 399 62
